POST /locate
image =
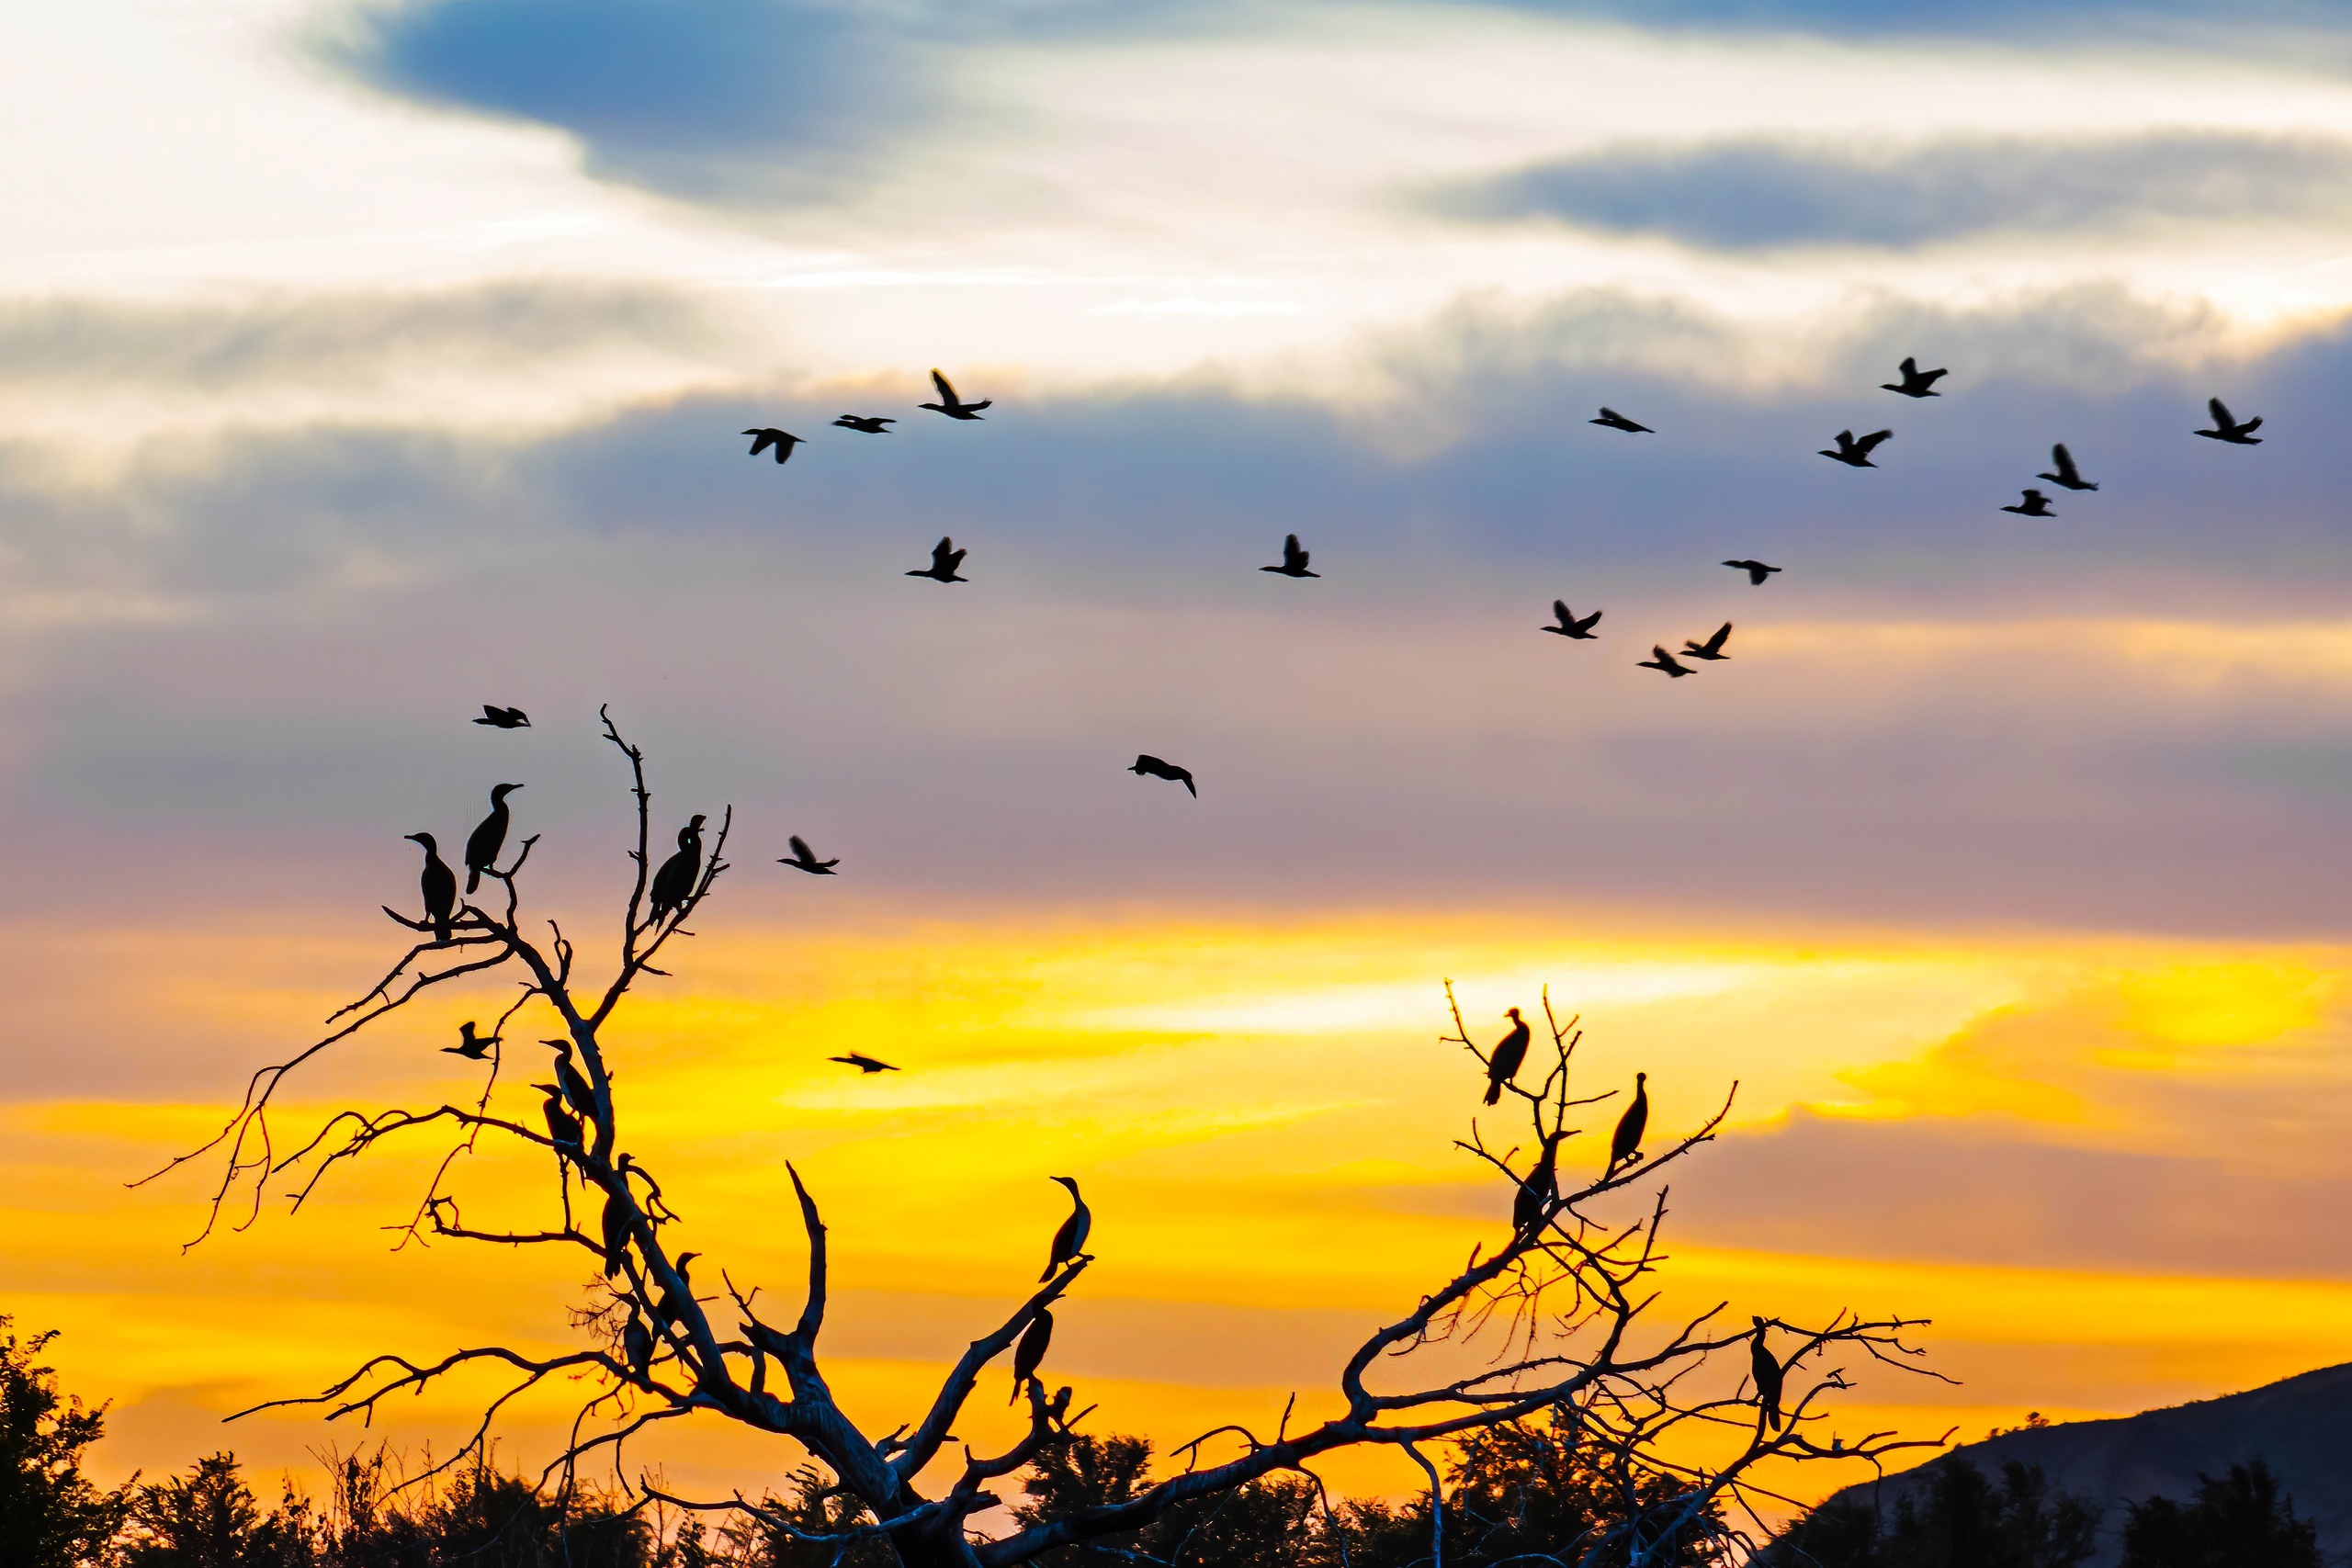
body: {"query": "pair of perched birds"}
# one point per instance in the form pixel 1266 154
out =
pixel 767 438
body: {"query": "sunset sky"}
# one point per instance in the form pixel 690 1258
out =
pixel 362 363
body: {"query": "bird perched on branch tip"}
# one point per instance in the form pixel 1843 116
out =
pixel 1541 1187
pixel 489 837
pixel 438 885
pixel 674 883
pixel 1503 1064
pixel 1626 1144
pixel 1030 1354
pixel 1070 1240
pixel 1770 1375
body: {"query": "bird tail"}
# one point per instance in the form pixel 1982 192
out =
pixel 473 877
pixel 1194 791
pixel 441 933
pixel 1046 1275
pixel 1773 1416
pixel 1495 1092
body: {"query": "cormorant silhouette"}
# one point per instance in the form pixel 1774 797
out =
pixel 674 883
pixel 1856 453
pixel 865 1065
pixel 949 403
pixel 1627 1142
pixel 1616 421
pixel 1541 1188
pixel 1757 571
pixel 1502 1065
pixel 1294 560
pixel 562 1126
pixel 576 1092
pixel 1147 763
pixel 440 886
pixel 472 1046
pixel 766 436
pixel 1030 1354
pixel 866 423
pixel 1070 1240
pixel 503 718
pixel 1711 649
pixel 945 559
pixel 489 837
pixel 2230 430
pixel 636 1347
pixel 2033 504
pixel 617 1232
pixel 668 1307
pixel 803 858
pixel 2067 477
pixel 1661 659
pixel 1569 626
pixel 1916 382
pixel 1770 1375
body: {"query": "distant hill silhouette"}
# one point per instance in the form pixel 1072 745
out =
pixel 2302 1427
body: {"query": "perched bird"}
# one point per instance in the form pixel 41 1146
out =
pixel 617 1233
pixel 503 718
pixel 562 1126
pixel 674 883
pixel 636 1347
pixel 1070 1240
pixel 1661 659
pixel 1770 1375
pixel 1627 1143
pixel 670 1307
pixel 1147 763
pixel 1711 649
pixel 489 837
pixel 865 1065
pixel 869 424
pixel 768 435
pixel 440 886
pixel 1502 1065
pixel 472 1046
pixel 1541 1187
pixel 576 1092
pixel 2034 504
pixel 945 559
pixel 1855 454
pixel 1757 571
pixel 949 403
pixel 1569 626
pixel 2230 430
pixel 1916 382
pixel 1030 1354
pixel 1616 421
pixel 1294 560
pixel 803 858
pixel 2067 477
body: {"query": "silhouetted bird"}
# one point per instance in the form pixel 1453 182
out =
pixel 1916 382
pixel 440 886
pixel 489 837
pixel 1661 659
pixel 2229 430
pixel 2065 477
pixel 1147 763
pixel 803 858
pixel 949 403
pixel 576 1092
pixel 1030 1354
pixel 674 883
pixel 503 718
pixel 670 1307
pixel 1070 1240
pixel 617 1233
pixel 866 423
pixel 1542 1187
pixel 1502 1065
pixel 1294 560
pixel 1854 453
pixel 1757 571
pixel 1627 1143
pixel 636 1347
pixel 562 1126
pixel 865 1065
pixel 1770 1375
pixel 472 1046
pixel 2034 504
pixel 1616 421
pixel 767 436
pixel 1569 626
pixel 1711 649
pixel 945 559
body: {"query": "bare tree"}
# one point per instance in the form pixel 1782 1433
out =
pixel 1558 1305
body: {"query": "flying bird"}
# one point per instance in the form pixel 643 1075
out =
pixel 674 883
pixel 1509 1053
pixel 1030 1354
pixel 1070 1240
pixel 1626 1144
pixel 1661 659
pixel 1770 1375
pixel 1294 560
pixel 1916 382
pixel 767 436
pixel 867 1066
pixel 2034 504
pixel 503 718
pixel 1147 763
pixel 2066 475
pixel 1757 571
pixel 869 424
pixel 489 837
pixel 1856 453
pixel 1569 626
pixel 472 1046
pixel 1711 649
pixel 1616 421
pixel 945 559
pixel 949 403
pixel 2230 430
pixel 803 858
pixel 440 886
pixel 1541 1187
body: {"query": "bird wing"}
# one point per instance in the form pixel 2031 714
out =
pixel 941 551
pixel 1846 439
pixel 2221 412
pixel 2063 461
pixel 1723 636
pixel 2250 426
pixel 1291 554
pixel 801 848
pixel 946 389
pixel 1870 442
pixel 1910 370
pixel 1560 608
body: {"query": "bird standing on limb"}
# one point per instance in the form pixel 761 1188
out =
pixel 674 883
pixel 617 1233
pixel 438 884
pixel 636 1347
pixel 1509 1053
pixel 949 403
pixel 1541 1187
pixel 488 836
pixel 670 1307
pixel 563 1127
pixel 1070 1240
pixel 1769 1376
pixel 576 1092
pixel 1148 764
pixel 766 436
pixel 1626 1145
pixel 1030 1354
